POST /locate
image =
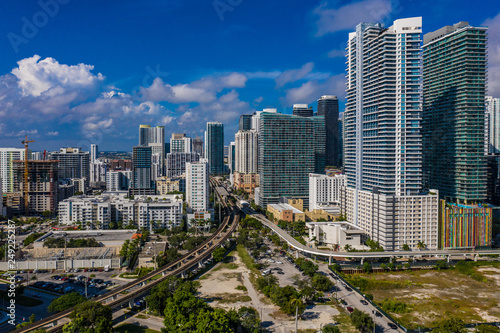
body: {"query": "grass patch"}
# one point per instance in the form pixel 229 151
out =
pixel 131 328
pixel 141 316
pixel 129 276
pixel 229 265
pixel 204 277
pixel 231 298
pixel 243 288
pixel 307 330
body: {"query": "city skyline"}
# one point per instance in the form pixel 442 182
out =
pixel 101 93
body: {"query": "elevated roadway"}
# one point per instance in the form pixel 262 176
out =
pixel 292 242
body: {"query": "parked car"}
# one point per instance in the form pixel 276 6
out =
pixel 37 295
pixel 350 309
pixel 364 302
pixel 393 326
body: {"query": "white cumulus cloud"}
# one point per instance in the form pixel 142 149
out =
pixel 334 18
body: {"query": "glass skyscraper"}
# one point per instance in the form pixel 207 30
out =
pixel 141 169
pixel 328 106
pixel 455 61
pixel 245 122
pixel 290 147
pixel 214 147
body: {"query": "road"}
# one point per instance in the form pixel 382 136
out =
pixel 353 300
pixel 362 255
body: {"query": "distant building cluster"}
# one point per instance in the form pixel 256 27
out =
pixel 412 160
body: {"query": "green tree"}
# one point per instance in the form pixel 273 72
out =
pixel 406 247
pixel 219 254
pixel 451 325
pixel 487 329
pixel 367 267
pixel 90 317
pixel 159 294
pixel 421 245
pixel 442 264
pixel 330 329
pixel 321 282
pixel 362 321
pixel 65 302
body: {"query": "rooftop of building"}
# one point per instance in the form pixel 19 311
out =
pixel 122 196
pixel 283 206
pixel 98 235
pixel 347 227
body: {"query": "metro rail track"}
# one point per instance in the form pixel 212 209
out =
pixel 116 296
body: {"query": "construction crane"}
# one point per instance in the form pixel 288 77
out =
pixel 25 142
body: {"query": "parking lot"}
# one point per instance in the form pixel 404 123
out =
pixel 90 282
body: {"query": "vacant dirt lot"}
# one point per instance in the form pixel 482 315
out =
pixel 432 295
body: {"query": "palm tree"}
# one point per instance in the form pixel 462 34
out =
pixel 406 247
pixel 421 245
pixel 296 301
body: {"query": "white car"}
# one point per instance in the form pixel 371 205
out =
pixel 279 262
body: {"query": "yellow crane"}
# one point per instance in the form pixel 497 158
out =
pixel 25 142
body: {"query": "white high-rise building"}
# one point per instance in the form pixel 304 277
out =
pixel 394 220
pixel 246 152
pixel 94 153
pixel 118 180
pixel 180 143
pixel 98 171
pixel 7 155
pixel 325 190
pixel 197 186
pixel 382 132
pixel 492 126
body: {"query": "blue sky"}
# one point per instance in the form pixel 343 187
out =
pixel 78 72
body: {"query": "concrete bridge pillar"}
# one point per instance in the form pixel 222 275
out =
pixel 448 258
pixel 131 303
pixel 200 263
pixel 183 276
pixel 362 260
pixel 475 256
pixel 163 273
pixel 297 254
pixel 329 260
pixel 54 323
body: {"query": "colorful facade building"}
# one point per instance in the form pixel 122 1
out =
pixel 464 226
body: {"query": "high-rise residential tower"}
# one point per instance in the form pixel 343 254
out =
pixel 328 106
pixel 382 139
pixel 7 156
pixel 245 122
pixel 198 146
pixel 180 143
pixel 148 134
pixel 142 182
pixel 197 186
pixel 290 148
pixel 73 163
pixel 94 153
pixel 246 152
pixel 454 86
pixel 383 145
pixel 492 126
pixel 302 110
pixel 214 147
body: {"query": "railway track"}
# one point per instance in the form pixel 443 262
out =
pixel 116 296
